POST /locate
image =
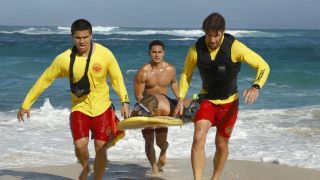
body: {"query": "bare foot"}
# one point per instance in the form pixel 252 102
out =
pixel 84 174
pixel 162 160
pixel 155 170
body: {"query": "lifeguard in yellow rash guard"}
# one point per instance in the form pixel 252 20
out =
pixel 218 57
pixel 87 65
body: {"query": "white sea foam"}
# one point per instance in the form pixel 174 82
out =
pixel 251 33
pixel 131 71
pixel 32 31
pixel 188 34
pixel 272 84
pixel 95 29
pixel 271 160
pixel 103 29
pixel 183 39
pixel 56 30
pixel 122 39
pixel 183 33
pixel 285 136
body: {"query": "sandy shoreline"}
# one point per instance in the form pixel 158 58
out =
pixel 174 169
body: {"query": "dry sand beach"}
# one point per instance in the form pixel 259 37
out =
pixel 175 169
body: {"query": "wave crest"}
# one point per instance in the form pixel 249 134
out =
pixel 185 34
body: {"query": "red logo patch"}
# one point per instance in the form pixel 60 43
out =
pixel 96 67
pixel 229 130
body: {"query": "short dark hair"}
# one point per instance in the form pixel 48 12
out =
pixel 214 23
pixel 156 42
pixel 151 102
pixel 81 25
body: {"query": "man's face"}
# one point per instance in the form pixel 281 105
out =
pixel 156 53
pixel 82 40
pixel 213 39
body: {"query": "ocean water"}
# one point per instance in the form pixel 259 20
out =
pixel 283 126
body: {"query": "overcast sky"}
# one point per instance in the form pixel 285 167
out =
pixel 242 14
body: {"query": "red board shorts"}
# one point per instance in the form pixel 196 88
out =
pixel 103 127
pixel 223 116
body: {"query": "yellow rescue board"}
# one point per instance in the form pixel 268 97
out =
pixel 140 122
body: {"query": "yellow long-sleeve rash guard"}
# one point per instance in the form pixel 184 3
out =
pixel 239 53
pixel 102 65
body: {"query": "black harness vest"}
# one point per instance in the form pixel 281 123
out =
pixel 82 87
pixel 219 77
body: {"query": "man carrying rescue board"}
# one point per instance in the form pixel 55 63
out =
pixel 154 78
pixel 88 65
pixel 218 57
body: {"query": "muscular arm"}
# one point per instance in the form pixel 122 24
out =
pixel 118 84
pixel 55 70
pixel 139 84
pixel 185 78
pixel 241 52
pixel 116 78
pixel 186 75
pixel 174 82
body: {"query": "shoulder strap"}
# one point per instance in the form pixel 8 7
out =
pixel 72 60
pixel 88 59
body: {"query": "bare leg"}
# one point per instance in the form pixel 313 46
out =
pixel 221 155
pixel 148 136
pixel 161 140
pixel 82 153
pixel 100 159
pixel 197 152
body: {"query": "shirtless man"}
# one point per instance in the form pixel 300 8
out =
pixel 151 79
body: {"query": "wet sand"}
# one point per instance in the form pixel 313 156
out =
pixel 174 169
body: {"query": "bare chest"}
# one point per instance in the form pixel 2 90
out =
pixel 160 78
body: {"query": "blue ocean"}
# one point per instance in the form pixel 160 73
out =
pixel 283 126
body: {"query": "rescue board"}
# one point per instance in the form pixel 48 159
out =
pixel 139 122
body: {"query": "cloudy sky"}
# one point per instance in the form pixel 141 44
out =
pixel 245 14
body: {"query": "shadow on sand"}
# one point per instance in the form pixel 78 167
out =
pixel 114 171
